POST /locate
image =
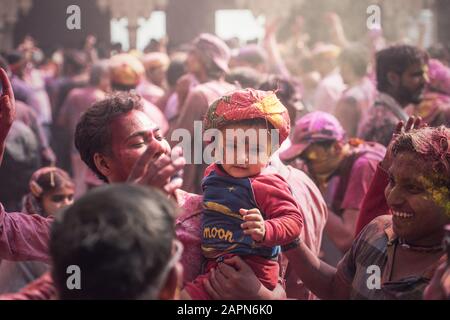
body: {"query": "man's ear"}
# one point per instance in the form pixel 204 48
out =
pixel 171 288
pixel 393 79
pixel 102 164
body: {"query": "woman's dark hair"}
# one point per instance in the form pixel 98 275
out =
pixel 50 179
pixel 120 237
pixel 93 134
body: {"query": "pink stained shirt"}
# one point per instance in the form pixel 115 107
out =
pixel 24 237
pixel 361 175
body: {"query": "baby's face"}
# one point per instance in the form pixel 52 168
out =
pixel 246 150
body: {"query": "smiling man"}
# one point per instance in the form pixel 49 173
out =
pixel 401 79
pixel 405 247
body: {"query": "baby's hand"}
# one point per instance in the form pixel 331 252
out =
pixel 254 224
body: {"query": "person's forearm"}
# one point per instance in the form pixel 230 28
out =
pixel 24 237
pixel 317 276
pixel 275 59
pixel 338 232
pixel 340 38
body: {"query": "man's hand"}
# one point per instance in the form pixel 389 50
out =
pixel 412 123
pixel 254 224
pixel 156 168
pixel 233 280
pixel 439 286
pixel 7 110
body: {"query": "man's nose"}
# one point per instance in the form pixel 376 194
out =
pixel 153 143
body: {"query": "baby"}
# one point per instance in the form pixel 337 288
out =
pixel 248 211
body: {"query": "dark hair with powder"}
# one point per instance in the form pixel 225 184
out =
pixel 431 146
pixel 93 132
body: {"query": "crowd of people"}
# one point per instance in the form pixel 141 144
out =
pixel 348 196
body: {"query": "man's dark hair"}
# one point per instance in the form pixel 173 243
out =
pixel 245 77
pixel 120 236
pixel 175 70
pixel 75 62
pixel 98 70
pixel 283 87
pixel 396 59
pixel 93 134
pixel 14 57
pixel 357 57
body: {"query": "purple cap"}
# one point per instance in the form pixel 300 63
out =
pixel 314 127
pixel 213 48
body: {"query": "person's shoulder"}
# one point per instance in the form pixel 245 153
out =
pixel 197 93
pixel 186 80
pixel 375 229
pixel 334 80
pixel 214 88
pixel 355 93
pixel 75 94
pixel 269 178
pixel 190 205
pixel 79 91
pixel 371 152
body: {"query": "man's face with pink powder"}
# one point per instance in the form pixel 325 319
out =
pixel 131 133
